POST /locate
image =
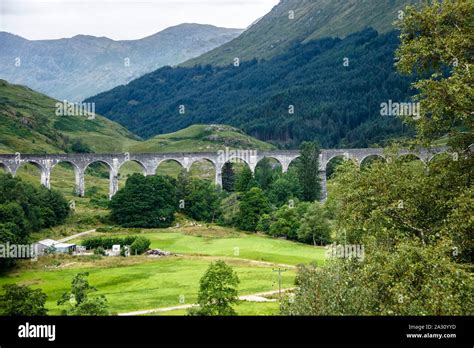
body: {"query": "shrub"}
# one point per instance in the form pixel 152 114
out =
pixel 99 251
pixel 139 246
pixel 108 242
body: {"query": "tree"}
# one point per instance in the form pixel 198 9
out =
pixel 253 205
pixel 264 175
pixel 22 301
pixel 77 146
pixel 228 177
pixel 145 202
pixel 217 291
pixel 285 188
pixel 394 200
pixel 230 210
pixel 203 200
pixel 417 223
pixel 314 227
pixel 308 171
pixel 286 222
pixel 183 187
pixel 244 180
pixel 265 223
pixel 79 301
pixel 437 42
pixel 24 209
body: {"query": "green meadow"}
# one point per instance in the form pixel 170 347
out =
pixel 140 283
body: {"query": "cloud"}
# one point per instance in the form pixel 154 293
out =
pixel 122 19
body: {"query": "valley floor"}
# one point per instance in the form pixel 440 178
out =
pixel 141 283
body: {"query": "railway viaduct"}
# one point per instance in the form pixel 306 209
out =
pixel 150 162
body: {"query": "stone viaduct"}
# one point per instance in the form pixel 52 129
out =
pixel 150 162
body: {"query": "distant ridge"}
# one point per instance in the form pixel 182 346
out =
pixel 84 65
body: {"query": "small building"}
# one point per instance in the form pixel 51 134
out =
pixel 51 246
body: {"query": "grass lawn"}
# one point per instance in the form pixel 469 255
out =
pixel 220 241
pixel 242 308
pixel 138 283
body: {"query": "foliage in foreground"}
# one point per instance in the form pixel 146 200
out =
pixel 411 279
pixel 418 247
pixel 438 41
pixel 415 223
pixel 78 301
pixel 217 291
pixel 20 300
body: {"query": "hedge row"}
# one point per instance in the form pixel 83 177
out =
pixel 107 242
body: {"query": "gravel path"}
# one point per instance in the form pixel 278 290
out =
pixel 74 236
pixel 259 297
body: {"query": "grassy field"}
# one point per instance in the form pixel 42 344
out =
pixel 139 283
pixel 220 241
pixel 242 308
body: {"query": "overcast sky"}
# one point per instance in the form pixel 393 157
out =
pixel 122 19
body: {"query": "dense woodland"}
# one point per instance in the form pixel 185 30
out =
pixel 306 94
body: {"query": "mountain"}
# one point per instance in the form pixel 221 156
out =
pixel 307 93
pixel 28 124
pixel 75 68
pixel 276 32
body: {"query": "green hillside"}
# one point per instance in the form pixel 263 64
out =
pixel 305 94
pixel 201 138
pixel 28 124
pixel 313 19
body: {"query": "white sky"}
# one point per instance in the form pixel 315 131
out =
pixel 122 19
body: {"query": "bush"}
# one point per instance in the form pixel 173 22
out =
pixel 139 246
pixel 99 251
pixel 108 242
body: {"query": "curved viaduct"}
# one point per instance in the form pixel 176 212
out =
pixel 150 162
